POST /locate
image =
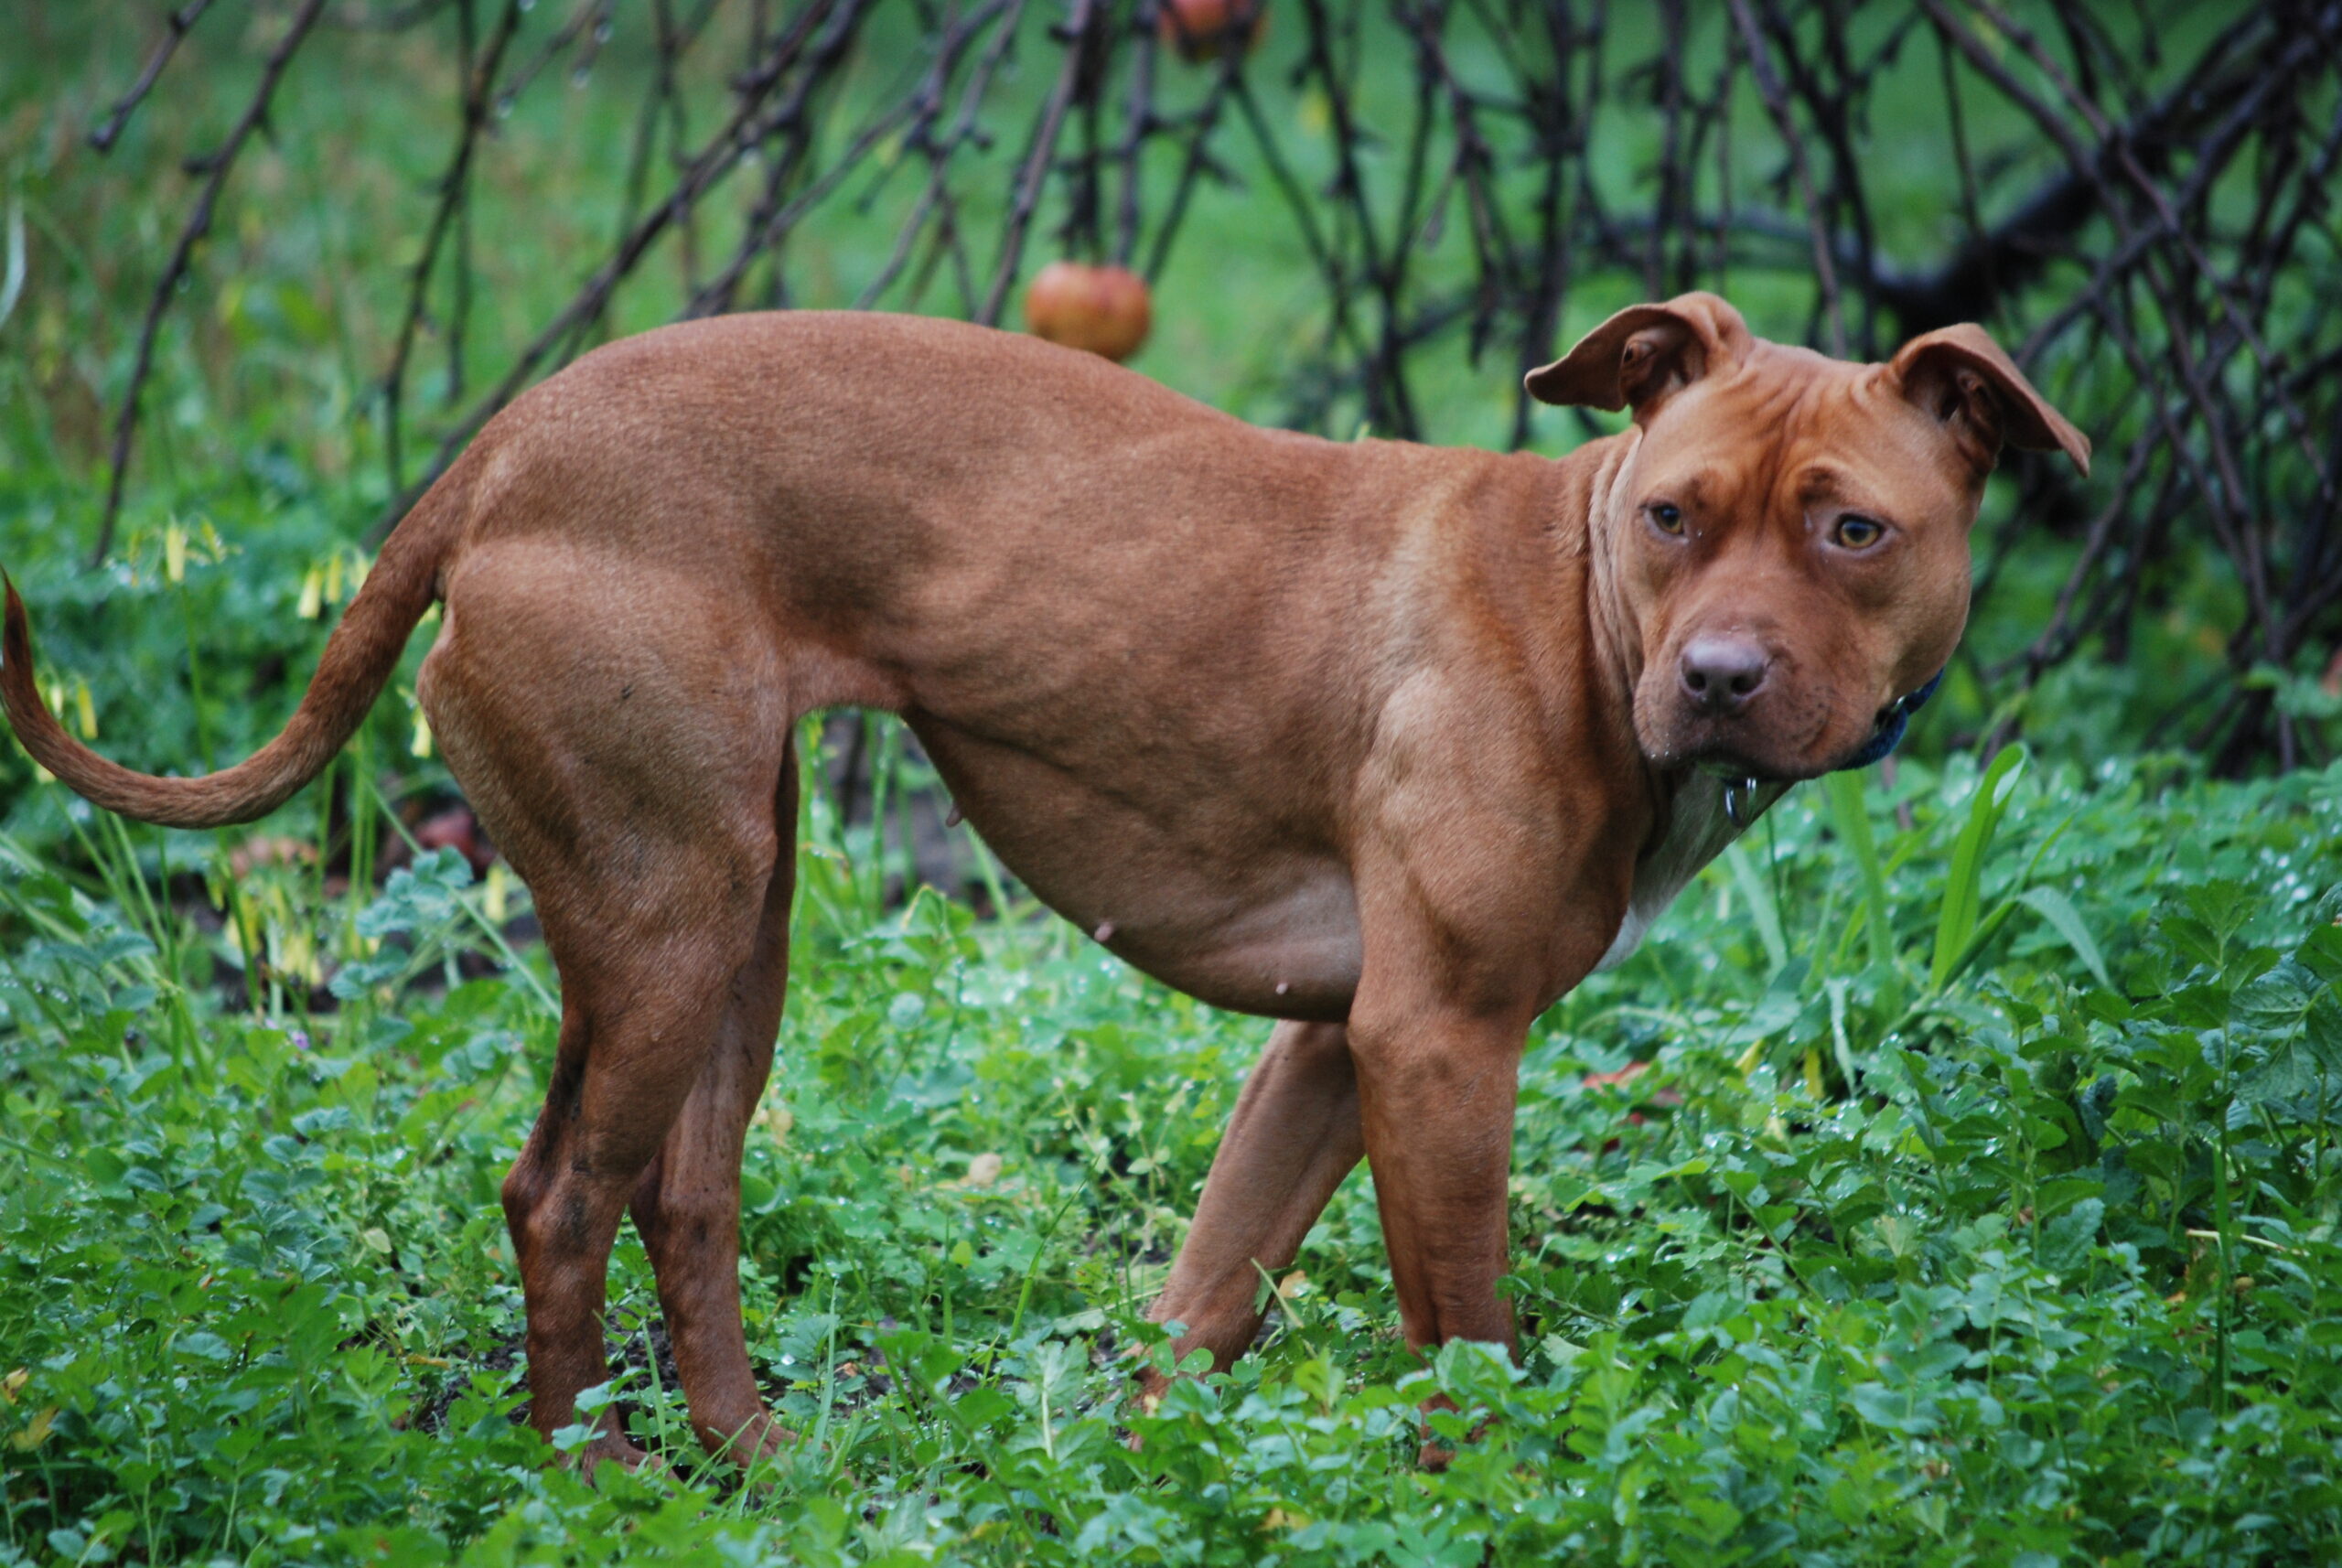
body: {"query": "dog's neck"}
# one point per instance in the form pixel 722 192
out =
pixel 1599 470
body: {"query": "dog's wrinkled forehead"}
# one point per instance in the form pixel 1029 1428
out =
pixel 1949 400
pixel 1788 429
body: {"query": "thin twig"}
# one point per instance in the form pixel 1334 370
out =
pixel 176 24
pixel 215 167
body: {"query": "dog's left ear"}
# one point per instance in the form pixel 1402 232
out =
pixel 1642 354
pixel 1959 375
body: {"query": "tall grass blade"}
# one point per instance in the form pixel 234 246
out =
pixel 1850 815
pixel 1762 910
pixel 1963 882
pixel 2067 921
pixel 12 273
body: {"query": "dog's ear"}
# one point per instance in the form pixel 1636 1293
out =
pixel 1642 354
pixel 1959 375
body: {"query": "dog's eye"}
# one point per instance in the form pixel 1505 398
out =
pixel 1668 519
pixel 1858 532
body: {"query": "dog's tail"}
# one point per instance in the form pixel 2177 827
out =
pixel 359 658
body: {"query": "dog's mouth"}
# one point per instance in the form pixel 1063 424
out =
pixel 1755 750
pixel 1731 753
pixel 1799 726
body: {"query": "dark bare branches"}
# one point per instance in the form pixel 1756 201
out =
pixel 2140 200
pixel 213 168
pixel 177 25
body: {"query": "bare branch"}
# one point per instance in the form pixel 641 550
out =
pixel 215 167
pixel 178 24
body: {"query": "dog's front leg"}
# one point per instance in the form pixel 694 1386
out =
pixel 1436 1090
pixel 1295 1135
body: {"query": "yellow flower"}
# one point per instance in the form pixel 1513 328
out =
pixel 37 1433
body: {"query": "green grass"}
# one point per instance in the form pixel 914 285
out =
pixel 1978 1204
pixel 1937 1261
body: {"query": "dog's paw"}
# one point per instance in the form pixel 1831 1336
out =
pixel 1436 1452
pixel 762 1438
pixel 608 1448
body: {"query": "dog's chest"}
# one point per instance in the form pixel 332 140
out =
pixel 1697 832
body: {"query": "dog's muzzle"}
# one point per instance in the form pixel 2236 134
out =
pixel 1894 720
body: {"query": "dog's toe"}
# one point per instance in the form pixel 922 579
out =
pixel 605 1448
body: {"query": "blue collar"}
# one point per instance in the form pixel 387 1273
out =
pixel 1891 726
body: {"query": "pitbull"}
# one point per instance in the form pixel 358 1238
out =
pixel 1393 744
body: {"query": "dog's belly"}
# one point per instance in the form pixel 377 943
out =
pixel 1293 955
pixel 1174 878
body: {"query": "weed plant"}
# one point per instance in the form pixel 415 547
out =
pixel 1977 1204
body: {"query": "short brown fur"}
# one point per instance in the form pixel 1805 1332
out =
pixel 1390 741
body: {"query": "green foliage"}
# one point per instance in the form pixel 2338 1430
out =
pixel 2019 1267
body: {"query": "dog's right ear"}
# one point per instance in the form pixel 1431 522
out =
pixel 1642 354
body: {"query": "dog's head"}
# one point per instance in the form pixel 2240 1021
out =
pixel 1789 537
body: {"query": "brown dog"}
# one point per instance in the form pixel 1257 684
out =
pixel 1393 743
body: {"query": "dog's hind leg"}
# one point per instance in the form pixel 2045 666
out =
pixel 687 1205
pixel 1294 1137
pixel 623 735
pixel 645 1014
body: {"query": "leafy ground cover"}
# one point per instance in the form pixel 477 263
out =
pixel 1992 1219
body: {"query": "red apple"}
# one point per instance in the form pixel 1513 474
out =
pixel 1627 1074
pixel 1200 30
pixel 1103 310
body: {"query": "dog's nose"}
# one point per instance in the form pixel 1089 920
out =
pixel 1722 674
